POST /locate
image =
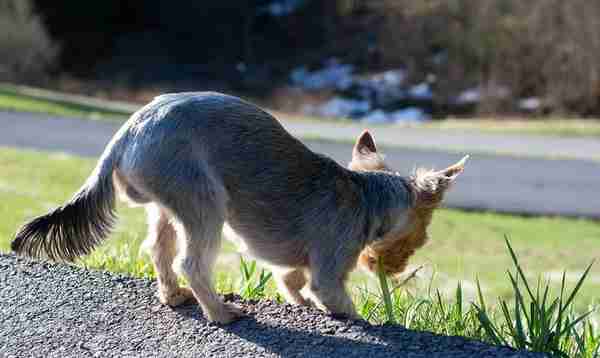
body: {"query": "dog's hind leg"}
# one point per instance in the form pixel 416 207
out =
pixel 290 283
pixel 200 231
pixel 196 200
pixel 162 244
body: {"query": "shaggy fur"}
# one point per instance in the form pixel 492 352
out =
pixel 204 163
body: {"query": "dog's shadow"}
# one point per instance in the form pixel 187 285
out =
pixel 349 338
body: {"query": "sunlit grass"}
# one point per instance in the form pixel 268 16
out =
pixel 546 126
pixel 11 100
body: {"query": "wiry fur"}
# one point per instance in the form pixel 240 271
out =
pixel 202 162
pixel 75 228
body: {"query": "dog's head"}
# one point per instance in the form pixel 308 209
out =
pixel 405 230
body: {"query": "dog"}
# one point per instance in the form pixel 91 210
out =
pixel 205 162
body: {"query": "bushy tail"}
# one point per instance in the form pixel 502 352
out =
pixel 75 228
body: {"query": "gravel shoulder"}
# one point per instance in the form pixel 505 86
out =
pixel 54 310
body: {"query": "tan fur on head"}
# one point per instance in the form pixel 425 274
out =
pixel 395 249
pixel 430 185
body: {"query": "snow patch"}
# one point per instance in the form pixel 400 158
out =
pixel 282 7
pixel 469 96
pixel 404 116
pixel 333 75
pixel 341 107
pixel 421 91
pixel 530 104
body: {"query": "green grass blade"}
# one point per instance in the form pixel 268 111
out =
pixel 578 286
pixel 385 292
pixel 518 267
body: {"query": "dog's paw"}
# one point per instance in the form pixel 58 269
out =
pixel 308 302
pixel 178 297
pixel 227 314
pixel 352 316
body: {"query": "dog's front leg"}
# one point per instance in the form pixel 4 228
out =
pixel 327 284
pixel 331 295
pixel 290 283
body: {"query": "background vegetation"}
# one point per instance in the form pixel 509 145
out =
pixel 26 48
pixel 508 49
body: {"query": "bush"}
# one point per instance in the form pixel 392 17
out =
pixel 545 48
pixel 26 49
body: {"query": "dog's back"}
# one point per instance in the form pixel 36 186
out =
pixel 273 183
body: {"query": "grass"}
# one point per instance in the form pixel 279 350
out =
pixel 464 246
pixel 548 126
pixel 573 127
pixel 11 99
pixel 538 319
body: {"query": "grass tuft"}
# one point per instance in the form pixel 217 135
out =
pixel 537 321
pixel 253 284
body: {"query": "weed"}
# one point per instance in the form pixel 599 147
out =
pixel 536 321
pixel 252 287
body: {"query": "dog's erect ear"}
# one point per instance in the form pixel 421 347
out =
pixel 365 144
pixel 449 174
pixel 364 154
pixel 430 186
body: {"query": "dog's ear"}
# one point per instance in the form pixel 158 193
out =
pixel 365 144
pixel 364 155
pixel 449 174
pixel 430 186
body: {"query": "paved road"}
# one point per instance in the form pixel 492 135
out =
pixel 520 145
pixel 500 183
pixel 51 310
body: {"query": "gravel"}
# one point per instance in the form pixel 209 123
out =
pixel 55 310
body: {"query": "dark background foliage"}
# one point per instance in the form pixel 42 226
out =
pixel 538 48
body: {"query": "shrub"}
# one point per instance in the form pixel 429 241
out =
pixel 26 49
pixel 545 48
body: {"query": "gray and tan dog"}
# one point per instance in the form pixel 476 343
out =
pixel 202 162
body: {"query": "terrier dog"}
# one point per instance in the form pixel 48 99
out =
pixel 202 162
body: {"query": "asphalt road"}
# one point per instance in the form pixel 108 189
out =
pixel 521 185
pixel 51 310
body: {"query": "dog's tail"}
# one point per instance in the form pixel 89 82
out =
pixel 76 227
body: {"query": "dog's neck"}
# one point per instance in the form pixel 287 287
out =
pixel 383 196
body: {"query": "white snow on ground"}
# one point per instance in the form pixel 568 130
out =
pixel 340 107
pixel 421 91
pixel 409 115
pixel 383 90
pixel 376 117
pixel 404 116
pixel 530 104
pixel 387 85
pixel 333 75
pixel 471 95
pixel 282 7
